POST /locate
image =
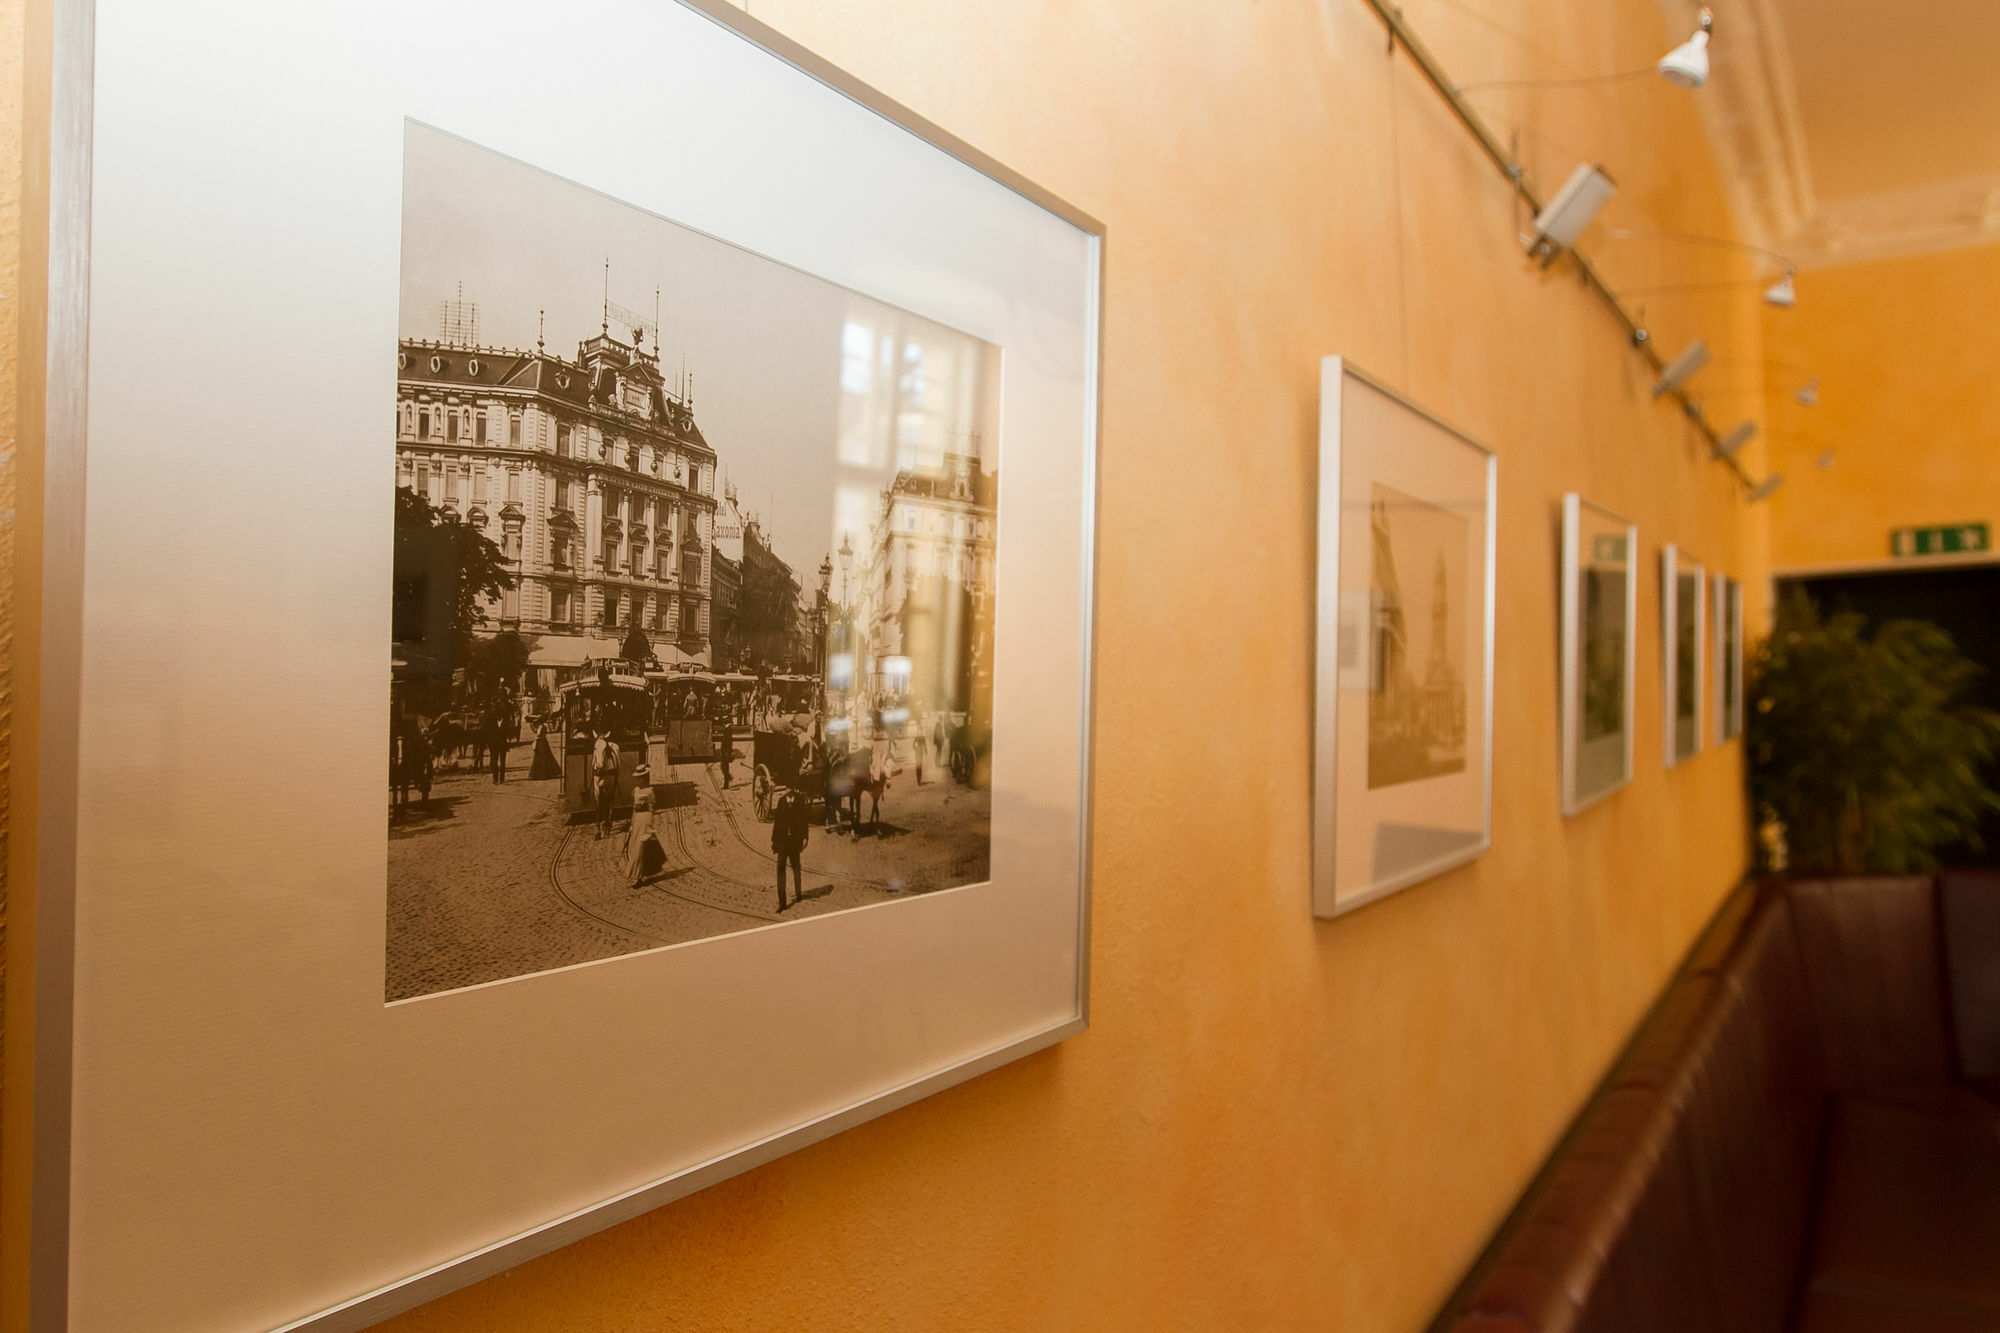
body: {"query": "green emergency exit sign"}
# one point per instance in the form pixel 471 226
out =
pixel 1950 539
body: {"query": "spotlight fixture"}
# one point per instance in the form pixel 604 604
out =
pixel 1682 368
pixel 1781 293
pixel 1727 446
pixel 1565 216
pixel 1766 488
pixel 1686 66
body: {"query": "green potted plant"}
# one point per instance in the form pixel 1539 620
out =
pixel 1863 755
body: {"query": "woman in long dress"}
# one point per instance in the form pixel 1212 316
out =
pixel 642 825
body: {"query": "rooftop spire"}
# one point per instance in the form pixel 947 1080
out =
pixel 607 294
pixel 541 326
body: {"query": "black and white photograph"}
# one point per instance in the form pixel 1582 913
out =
pixel 1402 775
pixel 694 585
pixel 1416 712
pixel 1598 622
pixel 1683 623
pixel 1727 600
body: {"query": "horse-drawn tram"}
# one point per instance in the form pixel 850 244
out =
pixel 683 704
pixel 607 699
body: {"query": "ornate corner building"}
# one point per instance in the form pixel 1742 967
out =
pixel 927 583
pixel 591 477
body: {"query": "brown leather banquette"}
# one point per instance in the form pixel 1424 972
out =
pixel 1804 1134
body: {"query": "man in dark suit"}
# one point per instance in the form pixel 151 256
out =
pixel 788 839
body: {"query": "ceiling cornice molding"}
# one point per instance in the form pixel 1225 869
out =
pixel 1901 222
pixel 1750 108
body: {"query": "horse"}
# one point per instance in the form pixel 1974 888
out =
pixel 859 774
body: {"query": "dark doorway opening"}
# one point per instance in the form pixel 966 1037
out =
pixel 1965 603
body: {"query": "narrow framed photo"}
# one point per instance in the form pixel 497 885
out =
pixel 1403 696
pixel 1683 653
pixel 612 704
pixel 1600 617
pixel 1727 600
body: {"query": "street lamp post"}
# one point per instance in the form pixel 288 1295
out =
pixel 846 555
pixel 825 578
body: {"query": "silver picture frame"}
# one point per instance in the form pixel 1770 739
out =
pixel 1684 656
pixel 1402 767
pixel 1596 758
pixel 59 816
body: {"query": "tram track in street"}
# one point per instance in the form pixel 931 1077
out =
pixel 555 881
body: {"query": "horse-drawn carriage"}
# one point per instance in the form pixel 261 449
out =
pixel 782 760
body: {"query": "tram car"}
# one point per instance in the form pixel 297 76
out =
pixel 607 698
pixel 684 707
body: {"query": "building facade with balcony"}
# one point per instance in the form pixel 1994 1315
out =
pixel 590 475
pixel 924 612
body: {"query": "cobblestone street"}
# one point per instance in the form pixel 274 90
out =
pixel 488 881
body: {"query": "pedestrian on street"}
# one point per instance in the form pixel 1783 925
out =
pixel 788 839
pixel 496 741
pixel 604 771
pixel 727 754
pixel 641 861
pixel 544 765
pixel 423 763
pixel 405 740
pixel 937 738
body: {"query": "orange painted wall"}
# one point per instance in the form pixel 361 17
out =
pixel 1273 1122
pixel 1910 406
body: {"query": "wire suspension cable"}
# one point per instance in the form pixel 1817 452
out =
pixel 1689 238
pixel 1592 80
pixel 1401 32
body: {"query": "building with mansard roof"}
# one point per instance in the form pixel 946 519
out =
pixel 923 612
pixel 591 476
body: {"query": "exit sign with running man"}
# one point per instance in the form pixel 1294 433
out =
pixel 1950 539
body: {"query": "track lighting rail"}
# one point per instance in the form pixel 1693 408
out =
pixel 1512 170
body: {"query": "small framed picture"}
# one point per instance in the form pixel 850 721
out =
pixel 1600 595
pixel 1728 596
pixel 1402 747
pixel 1683 633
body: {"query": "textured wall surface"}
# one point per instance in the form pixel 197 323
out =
pixel 1274 1122
pixel 1907 349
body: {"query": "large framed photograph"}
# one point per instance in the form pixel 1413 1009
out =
pixel 1727 600
pixel 1683 651
pixel 582 647
pixel 1600 616
pixel 1402 744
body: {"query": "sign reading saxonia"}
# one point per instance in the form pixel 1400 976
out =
pixel 1949 539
